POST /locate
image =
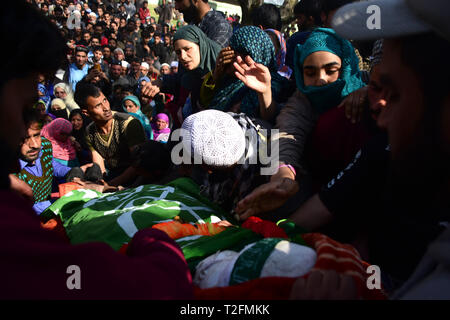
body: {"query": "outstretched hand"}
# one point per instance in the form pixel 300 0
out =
pixel 266 197
pixel 254 75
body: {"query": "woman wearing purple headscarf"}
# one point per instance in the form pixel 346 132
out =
pixel 160 127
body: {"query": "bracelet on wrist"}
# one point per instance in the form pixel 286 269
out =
pixel 288 166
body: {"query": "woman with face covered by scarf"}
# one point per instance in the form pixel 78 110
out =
pixel 232 94
pixel 59 133
pixel 326 71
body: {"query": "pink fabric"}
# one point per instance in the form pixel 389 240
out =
pixel 62 149
pixel 156 132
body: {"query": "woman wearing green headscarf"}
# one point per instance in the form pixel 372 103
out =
pixel 326 71
pixel 132 106
pixel 197 56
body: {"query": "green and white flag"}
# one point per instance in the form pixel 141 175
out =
pixel 114 218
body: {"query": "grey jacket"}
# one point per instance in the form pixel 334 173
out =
pixel 431 279
pixel 296 122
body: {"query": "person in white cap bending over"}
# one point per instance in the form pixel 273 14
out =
pixel 225 144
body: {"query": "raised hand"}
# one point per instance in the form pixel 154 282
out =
pixel 254 75
pixel 149 90
pixel 226 57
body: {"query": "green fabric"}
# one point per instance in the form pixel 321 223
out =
pixel 247 41
pixel 209 50
pixel 195 249
pixel 90 216
pixel 250 263
pixel 41 186
pixel 326 97
pixel 293 231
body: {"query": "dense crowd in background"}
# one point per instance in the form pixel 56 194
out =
pixel 355 158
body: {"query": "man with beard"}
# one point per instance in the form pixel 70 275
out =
pixel 211 22
pixel 414 221
pixel 111 136
pixel 37 166
pixel 38 263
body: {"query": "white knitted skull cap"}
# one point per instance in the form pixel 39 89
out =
pixel 214 136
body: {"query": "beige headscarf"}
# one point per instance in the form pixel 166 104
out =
pixel 68 100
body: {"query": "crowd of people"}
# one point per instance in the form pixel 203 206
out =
pixel 357 116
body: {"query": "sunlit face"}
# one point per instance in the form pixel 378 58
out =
pixel 41 78
pixel 188 53
pixel 131 107
pixel 95 42
pixel 31 145
pixel 144 70
pixel 80 59
pixel 60 93
pixel 98 55
pixel 77 121
pixel 116 70
pixel 321 68
pixel 98 108
pixel 56 107
pixel 124 71
pixel 165 69
pixel 118 55
pixel 161 124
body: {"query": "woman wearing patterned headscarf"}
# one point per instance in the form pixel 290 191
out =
pixel 230 93
pixel 197 55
